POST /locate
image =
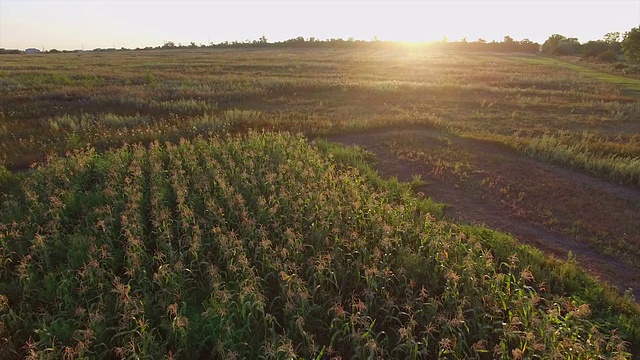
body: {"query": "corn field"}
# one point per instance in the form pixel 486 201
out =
pixel 262 246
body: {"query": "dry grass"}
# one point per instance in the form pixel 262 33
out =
pixel 313 91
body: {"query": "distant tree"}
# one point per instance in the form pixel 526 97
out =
pixel 508 44
pixel 612 37
pixel 602 50
pixel 569 46
pixel 9 51
pixel 631 45
pixel 594 48
pixel 550 46
pixel 613 41
pixel 526 45
pixel 558 44
pixel 608 56
pixel 169 45
pixel 263 39
pixel 607 49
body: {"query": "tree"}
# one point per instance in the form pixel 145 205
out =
pixel 613 40
pixel 631 44
pixel 529 46
pixel 612 37
pixel 569 46
pixel 508 44
pixel 557 44
pixel 594 48
pixel 550 46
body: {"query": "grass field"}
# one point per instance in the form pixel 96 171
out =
pixel 629 85
pixel 60 102
pixel 159 204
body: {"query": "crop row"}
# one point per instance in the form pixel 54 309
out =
pixel 263 246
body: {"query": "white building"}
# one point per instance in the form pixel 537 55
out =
pixel 32 51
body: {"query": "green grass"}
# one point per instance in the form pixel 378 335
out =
pixel 565 149
pixel 630 86
pixel 268 246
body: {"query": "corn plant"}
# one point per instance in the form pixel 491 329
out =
pixel 265 245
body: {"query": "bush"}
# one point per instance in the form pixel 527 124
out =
pixel 594 48
pixel 608 56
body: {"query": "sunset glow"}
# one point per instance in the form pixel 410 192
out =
pixel 91 24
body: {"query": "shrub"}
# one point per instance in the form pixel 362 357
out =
pixel 608 56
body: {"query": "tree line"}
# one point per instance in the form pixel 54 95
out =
pixel 507 45
pixel 612 47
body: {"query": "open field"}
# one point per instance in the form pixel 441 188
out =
pixel 63 101
pixel 628 84
pixel 241 241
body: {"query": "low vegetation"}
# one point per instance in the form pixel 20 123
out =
pixel 60 102
pixel 277 247
pixel 580 152
pixel 154 204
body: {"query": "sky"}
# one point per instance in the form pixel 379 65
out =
pixel 90 24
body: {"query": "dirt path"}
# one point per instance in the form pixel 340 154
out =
pixel 555 209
